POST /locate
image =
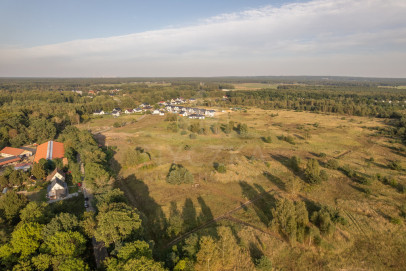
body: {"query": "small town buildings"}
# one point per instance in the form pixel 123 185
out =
pixel 9 160
pixel 115 113
pixel 56 174
pixel 155 112
pixel 196 116
pixel 137 110
pixel 118 109
pixel 161 113
pixel 210 113
pixel 129 111
pixel 57 188
pixel 98 112
pixel 19 152
pixel 23 166
pixel 50 150
pixel 183 114
pixel 144 105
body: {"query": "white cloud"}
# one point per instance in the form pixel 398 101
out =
pixel 321 37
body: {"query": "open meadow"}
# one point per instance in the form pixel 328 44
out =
pixel 370 208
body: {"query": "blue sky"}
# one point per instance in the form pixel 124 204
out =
pixel 30 23
pixel 202 38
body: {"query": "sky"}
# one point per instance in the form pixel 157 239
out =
pixel 157 38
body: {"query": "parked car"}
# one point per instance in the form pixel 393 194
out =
pixel 86 204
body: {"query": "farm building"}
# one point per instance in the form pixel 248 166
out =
pixel 50 150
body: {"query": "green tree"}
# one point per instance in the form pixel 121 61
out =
pixel 38 171
pixel 312 171
pixel 26 238
pixel 115 222
pixel 71 244
pixel 228 248
pixel 72 264
pixel 178 174
pixel 136 249
pixel 208 255
pixel 62 222
pixel 11 204
pixel 35 212
pixel 295 163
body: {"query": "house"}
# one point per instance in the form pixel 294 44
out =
pixel 98 112
pixel 56 174
pixel 19 152
pixel 57 189
pixel 50 150
pixel 9 160
pixel 155 112
pixel 183 114
pixel 210 113
pixel 115 113
pixel 144 105
pixel 161 113
pixel 196 116
pixel 129 111
pixel 137 110
pixel 192 100
pixel 145 108
pixel 118 109
pixel 23 166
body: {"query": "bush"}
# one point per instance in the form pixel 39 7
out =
pixel 187 147
pixel 183 132
pixel 396 220
pixel 312 172
pixel 192 136
pixel 267 139
pixel 288 139
pixel 263 263
pixel 294 163
pixel 117 124
pixel 173 127
pixel 220 168
pixel 178 174
pixel 332 164
pixel 395 165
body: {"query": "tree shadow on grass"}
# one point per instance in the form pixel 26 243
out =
pixel 275 180
pixel 263 202
pixel 154 220
pixel 285 161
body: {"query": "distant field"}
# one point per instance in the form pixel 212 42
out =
pixel 254 166
pixel 396 87
pixel 254 86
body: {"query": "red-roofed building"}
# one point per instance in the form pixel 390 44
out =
pixel 50 150
pixel 9 152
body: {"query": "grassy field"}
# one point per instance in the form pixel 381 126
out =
pixel 254 166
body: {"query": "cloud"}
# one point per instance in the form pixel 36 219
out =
pixel 321 37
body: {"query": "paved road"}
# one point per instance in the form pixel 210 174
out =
pixel 99 250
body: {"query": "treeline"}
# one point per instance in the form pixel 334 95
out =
pixel 360 101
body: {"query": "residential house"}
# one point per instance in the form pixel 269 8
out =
pixel 183 114
pixel 129 111
pixel 57 188
pixel 155 112
pixel 98 112
pixel 137 110
pixel 56 174
pixel 161 113
pixel 23 166
pixel 144 105
pixel 196 116
pixel 210 113
pixel 115 113
pixel 118 109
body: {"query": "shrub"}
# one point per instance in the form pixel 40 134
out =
pixel 332 164
pixel 183 132
pixel 187 147
pixel 192 136
pixel 219 167
pixel 396 220
pixel 263 263
pixel 294 163
pixel 173 127
pixel 267 139
pixel 288 139
pixel 178 174
pixel 312 172
pixel 395 165
pixel 117 124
